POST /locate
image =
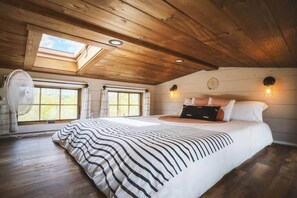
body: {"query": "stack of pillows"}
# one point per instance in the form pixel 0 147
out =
pixel 219 109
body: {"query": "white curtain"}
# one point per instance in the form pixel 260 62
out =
pixel 104 107
pixel 85 111
pixel 8 122
pixel 146 103
pixel 13 122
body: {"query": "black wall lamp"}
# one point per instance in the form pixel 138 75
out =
pixel 173 89
pixel 268 82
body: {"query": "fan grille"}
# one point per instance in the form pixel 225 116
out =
pixel 19 88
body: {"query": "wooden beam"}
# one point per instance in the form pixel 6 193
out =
pixel 32 46
pixel 93 60
pixel 89 26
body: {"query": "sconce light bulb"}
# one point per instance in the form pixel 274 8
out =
pixel 171 93
pixel 268 91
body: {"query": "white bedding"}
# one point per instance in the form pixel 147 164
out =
pixel 198 177
pixel 249 138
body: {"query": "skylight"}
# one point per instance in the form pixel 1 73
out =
pixel 60 44
pixel 56 52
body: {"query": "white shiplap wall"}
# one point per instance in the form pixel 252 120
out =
pixel 95 88
pixel 241 84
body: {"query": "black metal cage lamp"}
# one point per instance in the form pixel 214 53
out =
pixel 173 88
pixel 268 82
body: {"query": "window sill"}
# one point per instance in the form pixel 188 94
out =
pixel 43 122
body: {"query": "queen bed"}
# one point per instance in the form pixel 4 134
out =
pixel 159 156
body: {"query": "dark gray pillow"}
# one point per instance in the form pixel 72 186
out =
pixel 200 112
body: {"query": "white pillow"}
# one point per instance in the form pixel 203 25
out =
pixel 188 101
pixel 248 111
pixel 228 110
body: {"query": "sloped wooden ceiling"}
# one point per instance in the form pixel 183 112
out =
pixel 205 34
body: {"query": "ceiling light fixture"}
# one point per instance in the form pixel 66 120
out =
pixel 115 42
pixel 179 60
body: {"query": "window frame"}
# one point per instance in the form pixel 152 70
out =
pixel 118 104
pixel 60 96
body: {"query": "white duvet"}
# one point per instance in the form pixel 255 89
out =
pixel 198 177
pixel 249 138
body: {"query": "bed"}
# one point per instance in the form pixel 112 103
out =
pixel 159 156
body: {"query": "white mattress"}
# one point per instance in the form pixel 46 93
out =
pixel 249 138
pixel 197 177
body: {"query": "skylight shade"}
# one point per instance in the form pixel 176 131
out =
pixel 60 44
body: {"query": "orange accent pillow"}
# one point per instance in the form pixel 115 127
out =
pixel 200 101
pixel 220 115
pixel 226 105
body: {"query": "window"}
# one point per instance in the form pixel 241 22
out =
pixel 124 104
pixel 53 104
pixel 55 45
pixel 74 54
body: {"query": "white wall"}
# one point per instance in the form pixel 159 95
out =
pixel 241 84
pixel 95 88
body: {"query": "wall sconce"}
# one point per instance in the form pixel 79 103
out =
pixel 268 82
pixel 173 89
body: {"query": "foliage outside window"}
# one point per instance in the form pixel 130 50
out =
pixel 53 104
pixel 124 104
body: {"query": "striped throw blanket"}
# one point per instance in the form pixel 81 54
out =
pixel 132 158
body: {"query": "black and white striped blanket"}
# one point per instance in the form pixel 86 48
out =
pixel 135 161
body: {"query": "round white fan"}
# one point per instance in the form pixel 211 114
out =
pixel 18 92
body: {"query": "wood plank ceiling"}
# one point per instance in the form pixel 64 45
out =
pixel 205 34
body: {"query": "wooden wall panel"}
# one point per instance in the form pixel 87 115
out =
pixel 12 43
pixel 281 111
pixel 284 138
pixel 241 84
pixel 12 26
